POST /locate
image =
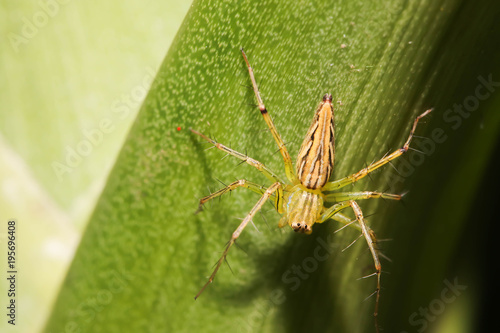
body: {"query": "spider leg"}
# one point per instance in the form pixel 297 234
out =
pixel 274 131
pixel 345 196
pixel 346 221
pixel 234 185
pixel 333 210
pixel 273 188
pixel 371 241
pixel 247 184
pixel 259 165
pixel 334 213
pixel 336 184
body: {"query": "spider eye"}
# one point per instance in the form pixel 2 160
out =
pixel 301 227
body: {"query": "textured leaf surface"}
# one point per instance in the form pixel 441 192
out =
pixel 145 255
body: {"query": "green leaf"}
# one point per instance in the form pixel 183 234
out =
pixel 145 254
pixel 67 67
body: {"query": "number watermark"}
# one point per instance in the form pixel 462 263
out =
pixel 11 273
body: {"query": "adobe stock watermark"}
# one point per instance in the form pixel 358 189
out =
pixel 454 116
pixel 120 108
pixel 32 25
pixel 298 273
pixel 292 278
pixel 420 319
pixel 88 309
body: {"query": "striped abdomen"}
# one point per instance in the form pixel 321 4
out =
pixel 315 160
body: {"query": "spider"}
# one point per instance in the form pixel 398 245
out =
pixel 302 199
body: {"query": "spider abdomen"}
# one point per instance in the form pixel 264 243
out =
pixel 316 155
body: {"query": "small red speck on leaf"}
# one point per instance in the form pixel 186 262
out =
pixel 178 128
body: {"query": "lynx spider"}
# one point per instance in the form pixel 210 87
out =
pixel 302 201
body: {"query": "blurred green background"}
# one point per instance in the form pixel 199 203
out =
pixel 74 78
pixel 65 67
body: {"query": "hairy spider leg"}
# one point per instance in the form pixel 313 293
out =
pixel 345 196
pixel 334 213
pixel 336 184
pixel 259 165
pixel 239 230
pixel 371 241
pixel 239 183
pixel 290 174
pixel 330 212
pixel 345 220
